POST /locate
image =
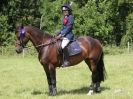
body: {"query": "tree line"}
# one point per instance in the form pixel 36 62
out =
pixel 110 21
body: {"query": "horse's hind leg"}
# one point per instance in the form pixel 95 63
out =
pixel 95 84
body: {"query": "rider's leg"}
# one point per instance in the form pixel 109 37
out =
pixel 65 42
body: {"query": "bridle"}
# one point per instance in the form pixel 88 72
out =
pixel 22 35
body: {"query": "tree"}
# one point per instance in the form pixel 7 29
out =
pixel 4 36
pixel 108 21
pixel 18 11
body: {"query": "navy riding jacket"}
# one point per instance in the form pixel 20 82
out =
pixel 67 26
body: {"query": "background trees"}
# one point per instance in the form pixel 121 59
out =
pixel 109 21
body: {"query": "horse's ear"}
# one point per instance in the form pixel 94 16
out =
pixel 19 26
pixel 22 26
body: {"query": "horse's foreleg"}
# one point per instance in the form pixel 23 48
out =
pixel 51 78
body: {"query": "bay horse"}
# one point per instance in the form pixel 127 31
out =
pixel 47 48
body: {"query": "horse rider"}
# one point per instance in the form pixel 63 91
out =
pixel 66 31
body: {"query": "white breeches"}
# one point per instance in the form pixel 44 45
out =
pixel 64 43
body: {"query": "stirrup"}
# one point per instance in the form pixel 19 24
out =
pixel 65 63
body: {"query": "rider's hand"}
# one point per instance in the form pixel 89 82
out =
pixel 58 33
pixel 58 37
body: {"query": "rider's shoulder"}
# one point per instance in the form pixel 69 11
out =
pixel 71 17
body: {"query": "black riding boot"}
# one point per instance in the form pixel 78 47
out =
pixel 65 57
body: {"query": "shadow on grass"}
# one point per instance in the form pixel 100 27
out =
pixel 83 90
pixel 37 92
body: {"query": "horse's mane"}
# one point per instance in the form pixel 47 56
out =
pixel 39 31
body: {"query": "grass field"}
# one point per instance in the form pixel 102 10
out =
pixel 24 78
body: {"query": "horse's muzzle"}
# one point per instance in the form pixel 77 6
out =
pixel 19 50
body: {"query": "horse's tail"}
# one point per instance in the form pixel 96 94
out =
pixel 101 68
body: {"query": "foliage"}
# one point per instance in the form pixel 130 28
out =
pixel 4 35
pixel 13 12
pixel 93 21
pixel 128 37
pixel 109 21
pixel 105 20
pixel 114 50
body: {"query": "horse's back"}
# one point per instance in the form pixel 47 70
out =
pixel 90 40
pixel 91 47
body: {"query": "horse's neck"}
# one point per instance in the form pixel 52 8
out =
pixel 34 39
pixel 38 39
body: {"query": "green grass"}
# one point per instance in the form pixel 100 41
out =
pixel 24 78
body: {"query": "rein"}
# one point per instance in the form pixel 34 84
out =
pixel 47 43
pixel 41 45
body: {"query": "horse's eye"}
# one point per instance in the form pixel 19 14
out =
pixel 18 37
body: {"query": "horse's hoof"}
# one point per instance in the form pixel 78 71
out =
pixel 91 92
pixel 52 94
pixel 98 90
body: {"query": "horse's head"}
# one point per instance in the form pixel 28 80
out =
pixel 22 36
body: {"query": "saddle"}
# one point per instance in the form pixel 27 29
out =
pixel 73 48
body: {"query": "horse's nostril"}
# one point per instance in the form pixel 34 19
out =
pixel 18 51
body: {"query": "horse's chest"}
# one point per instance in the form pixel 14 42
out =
pixel 47 55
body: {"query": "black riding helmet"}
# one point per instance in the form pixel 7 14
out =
pixel 66 7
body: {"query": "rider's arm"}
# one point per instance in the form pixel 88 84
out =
pixel 69 26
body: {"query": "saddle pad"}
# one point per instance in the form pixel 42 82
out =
pixel 74 48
